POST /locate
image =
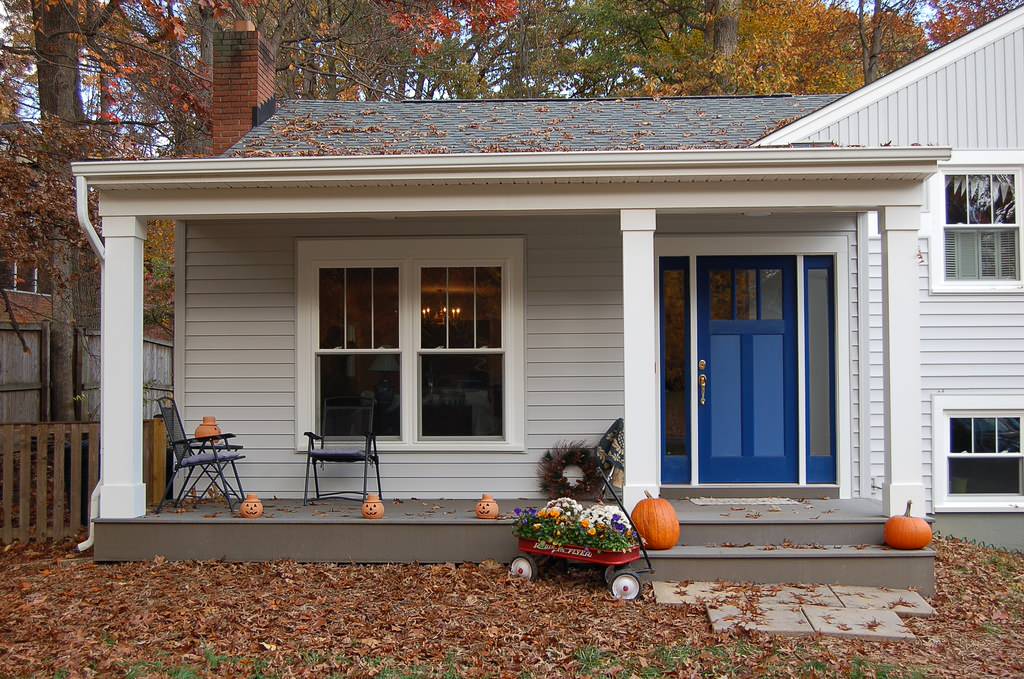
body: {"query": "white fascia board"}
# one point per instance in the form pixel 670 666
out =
pixel 695 165
pixel 912 72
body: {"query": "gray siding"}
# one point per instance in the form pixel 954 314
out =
pixel 976 102
pixel 240 347
pixel 239 344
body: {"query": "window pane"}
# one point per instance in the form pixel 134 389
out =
pixel 721 295
pixel 819 363
pixel 488 307
pixel 956 199
pixel 460 307
pixel 1009 434
pixel 358 314
pixel 385 308
pixel 462 395
pixel 979 202
pixel 771 294
pixel 332 308
pixel 960 435
pixel 434 307
pixel 344 377
pixel 677 437
pixel 746 294
pixel 984 476
pixel 1004 200
pixel 984 434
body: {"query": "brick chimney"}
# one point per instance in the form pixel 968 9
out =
pixel 243 83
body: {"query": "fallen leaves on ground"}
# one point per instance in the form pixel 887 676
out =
pixel 63 615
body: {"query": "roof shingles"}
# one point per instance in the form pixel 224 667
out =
pixel 345 128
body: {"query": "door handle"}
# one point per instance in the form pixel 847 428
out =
pixel 702 380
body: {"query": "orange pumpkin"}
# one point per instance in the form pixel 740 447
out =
pixel 373 508
pixel 487 508
pixel 251 508
pixel 657 522
pixel 907 532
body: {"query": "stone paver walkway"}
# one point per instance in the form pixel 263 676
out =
pixel 794 610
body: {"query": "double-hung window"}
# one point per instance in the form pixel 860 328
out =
pixel 981 236
pixel 431 329
pixel 978 461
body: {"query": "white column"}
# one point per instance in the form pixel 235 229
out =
pixel 123 494
pixel 640 345
pixel 901 346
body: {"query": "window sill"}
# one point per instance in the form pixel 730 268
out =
pixel 439 447
pixel 1003 506
pixel 977 288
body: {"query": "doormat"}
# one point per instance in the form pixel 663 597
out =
pixel 744 501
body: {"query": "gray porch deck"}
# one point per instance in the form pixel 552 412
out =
pixel 823 540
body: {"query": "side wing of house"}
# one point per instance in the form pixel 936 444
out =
pixel 968 95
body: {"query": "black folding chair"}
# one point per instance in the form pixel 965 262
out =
pixel 345 418
pixel 205 457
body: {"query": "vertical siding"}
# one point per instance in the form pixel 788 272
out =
pixel 240 348
pixel 973 103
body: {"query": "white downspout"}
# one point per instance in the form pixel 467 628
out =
pixel 82 208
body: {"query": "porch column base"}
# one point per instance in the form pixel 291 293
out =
pixel 896 495
pixel 631 494
pixel 122 500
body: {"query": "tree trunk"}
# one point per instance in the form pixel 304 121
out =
pixel 60 96
pixel 721 33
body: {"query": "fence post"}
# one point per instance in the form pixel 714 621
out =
pixel 7 451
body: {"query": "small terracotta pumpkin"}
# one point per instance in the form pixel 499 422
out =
pixel 657 522
pixel 373 508
pixel 251 507
pixel 209 427
pixel 487 508
pixel 907 532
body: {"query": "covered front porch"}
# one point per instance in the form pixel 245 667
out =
pixel 582 240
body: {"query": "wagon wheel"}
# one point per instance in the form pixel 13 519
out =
pixel 609 574
pixel 524 566
pixel 625 585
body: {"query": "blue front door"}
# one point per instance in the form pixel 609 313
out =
pixel 747 370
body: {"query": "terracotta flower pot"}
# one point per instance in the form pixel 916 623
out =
pixel 209 427
pixel 252 507
pixel 487 508
pixel 373 508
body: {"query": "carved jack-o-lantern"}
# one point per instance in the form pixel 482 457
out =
pixel 251 507
pixel 373 508
pixel 487 508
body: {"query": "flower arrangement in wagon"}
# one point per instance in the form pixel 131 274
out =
pixel 565 522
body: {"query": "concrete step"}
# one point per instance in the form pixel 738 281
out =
pixel 815 492
pixel 808 522
pixel 869 565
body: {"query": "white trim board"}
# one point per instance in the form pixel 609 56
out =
pixel 967 404
pixel 838 246
pixel 880 89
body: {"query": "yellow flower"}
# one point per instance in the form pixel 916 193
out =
pixel 591 532
pixel 585 523
pixel 554 511
pixel 536 526
pixel 542 513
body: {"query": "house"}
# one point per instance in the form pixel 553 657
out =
pixel 744 279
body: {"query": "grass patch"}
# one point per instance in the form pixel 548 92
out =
pixel 862 668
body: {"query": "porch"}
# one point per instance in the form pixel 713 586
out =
pixel 830 541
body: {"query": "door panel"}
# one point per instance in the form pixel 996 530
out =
pixel 676 348
pixel 746 321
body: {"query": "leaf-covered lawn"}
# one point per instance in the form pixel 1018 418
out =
pixel 63 616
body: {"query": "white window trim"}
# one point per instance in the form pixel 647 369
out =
pixel 936 227
pixel 409 255
pixel 945 406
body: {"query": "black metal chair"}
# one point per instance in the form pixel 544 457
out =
pixel 343 417
pixel 205 457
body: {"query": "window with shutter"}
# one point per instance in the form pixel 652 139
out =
pixel 982 233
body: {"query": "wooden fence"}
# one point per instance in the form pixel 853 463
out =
pixel 25 375
pixel 48 471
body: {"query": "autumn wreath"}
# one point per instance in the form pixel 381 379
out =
pixel 553 464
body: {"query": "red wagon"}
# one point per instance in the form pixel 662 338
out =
pixel 623 581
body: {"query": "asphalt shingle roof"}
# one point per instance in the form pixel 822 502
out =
pixel 322 128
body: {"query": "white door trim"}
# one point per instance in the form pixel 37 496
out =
pixel 836 245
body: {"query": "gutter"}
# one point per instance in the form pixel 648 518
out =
pixel 82 208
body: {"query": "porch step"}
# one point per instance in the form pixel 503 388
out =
pixel 811 522
pixel 817 491
pixel 870 565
